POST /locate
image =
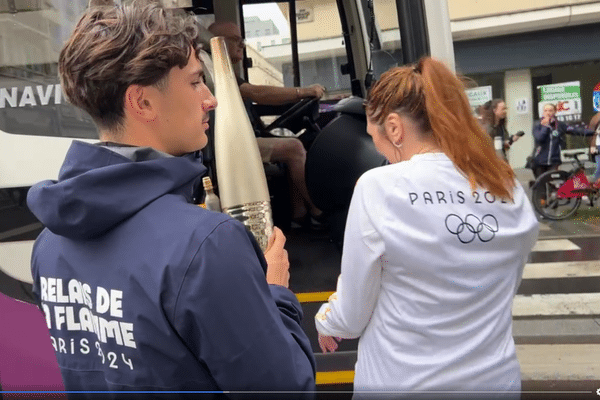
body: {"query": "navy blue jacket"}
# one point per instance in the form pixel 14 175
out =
pixel 549 141
pixel 143 290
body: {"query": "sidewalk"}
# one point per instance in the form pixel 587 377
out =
pixel 524 175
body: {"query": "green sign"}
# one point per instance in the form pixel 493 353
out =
pixel 560 91
pixel 565 97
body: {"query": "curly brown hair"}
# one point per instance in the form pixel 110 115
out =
pixel 433 97
pixel 113 47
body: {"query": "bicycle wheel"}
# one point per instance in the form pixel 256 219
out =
pixel 545 200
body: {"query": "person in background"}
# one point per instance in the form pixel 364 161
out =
pixel 143 290
pixel 434 248
pixel 595 145
pixel 289 151
pixel 549 135
pixel 550 139
pixel 494 119
pixel 479 112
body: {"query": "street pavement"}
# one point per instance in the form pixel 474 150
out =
pixel 556 312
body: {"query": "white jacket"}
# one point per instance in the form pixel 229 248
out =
pixel 429 272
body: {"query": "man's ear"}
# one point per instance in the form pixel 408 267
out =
pixel 139 103
pixel 394 128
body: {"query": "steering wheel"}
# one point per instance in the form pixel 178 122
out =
pixel 294 112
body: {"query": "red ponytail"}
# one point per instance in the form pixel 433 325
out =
pixel 435 98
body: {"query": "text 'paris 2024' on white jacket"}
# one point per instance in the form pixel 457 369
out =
pixel 429 272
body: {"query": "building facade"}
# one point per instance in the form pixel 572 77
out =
pixel 524 51
pixel 531 53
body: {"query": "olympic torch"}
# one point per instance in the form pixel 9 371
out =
pixel 242 183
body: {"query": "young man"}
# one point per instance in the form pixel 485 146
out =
pixel 289 151
pixel 141 289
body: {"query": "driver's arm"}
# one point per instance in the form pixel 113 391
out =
pixel 277 95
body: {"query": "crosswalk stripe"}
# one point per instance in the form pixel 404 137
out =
pixel 556 304
pixel 554 245
pixel 544 227
pixel 539 362
pixel 579 304
pixel 532 270
pixel 559 361
pixel 568 269
pixel 534 305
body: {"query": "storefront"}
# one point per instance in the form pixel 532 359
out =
pixel 516 66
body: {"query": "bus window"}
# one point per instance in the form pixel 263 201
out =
pixel 320 45
pixel 31 100
pixel 385 36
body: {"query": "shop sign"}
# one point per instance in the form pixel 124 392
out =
pixel 596 98
pixel 478 96
pixel 522 106
pixel 565 96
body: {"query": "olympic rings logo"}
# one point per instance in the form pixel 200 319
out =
pixel 466 231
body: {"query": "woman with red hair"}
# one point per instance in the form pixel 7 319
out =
pixel 434 248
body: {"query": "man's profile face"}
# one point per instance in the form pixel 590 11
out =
pixel 183 107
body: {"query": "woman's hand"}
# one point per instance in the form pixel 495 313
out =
pixel 328 343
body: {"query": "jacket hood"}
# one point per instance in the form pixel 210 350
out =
pixel 98 188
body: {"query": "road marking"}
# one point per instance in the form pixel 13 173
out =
pixel 554 245
pixel 556 304
pixel 334 377
pixel 523 306
pixel 544 227
pixel 534 305
pixel 539 362
pixel 559 361
pixel 313 297
pixel 567 269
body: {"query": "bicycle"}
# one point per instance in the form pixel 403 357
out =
pixel 556 195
